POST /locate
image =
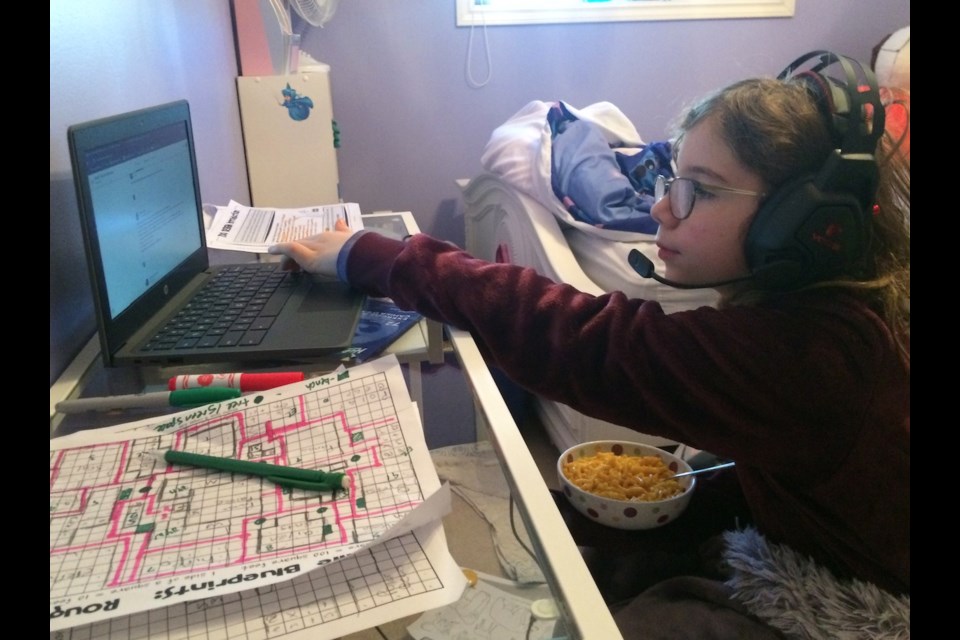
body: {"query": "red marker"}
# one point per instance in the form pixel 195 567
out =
pixel 243 381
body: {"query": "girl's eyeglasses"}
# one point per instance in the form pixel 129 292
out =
pixel 684 191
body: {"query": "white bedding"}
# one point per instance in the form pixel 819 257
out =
pixel 519 154
pixel 504 224
pixel 514 216
pixel 605 262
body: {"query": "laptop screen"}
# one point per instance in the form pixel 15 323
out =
pixel 138 197
pixel 138 194
pixel 143 200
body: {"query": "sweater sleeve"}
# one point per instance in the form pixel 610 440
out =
pixel 715 379
pixel 807 392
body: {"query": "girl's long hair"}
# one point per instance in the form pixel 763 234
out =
pixel 776 130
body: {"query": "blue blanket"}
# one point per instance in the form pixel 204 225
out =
pixel 598 184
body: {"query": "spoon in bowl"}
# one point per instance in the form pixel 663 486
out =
pixel 705 469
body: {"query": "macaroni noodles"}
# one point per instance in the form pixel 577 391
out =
pixel 632 478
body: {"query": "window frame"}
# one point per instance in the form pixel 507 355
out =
pixel 473 12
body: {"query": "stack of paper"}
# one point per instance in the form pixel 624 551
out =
pixel 237 227
pixel 143 549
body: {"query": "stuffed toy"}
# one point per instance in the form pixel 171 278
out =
pixel 891 65
pixel 587 176
pixel 643 167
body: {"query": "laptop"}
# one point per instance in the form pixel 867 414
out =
pixel 143 230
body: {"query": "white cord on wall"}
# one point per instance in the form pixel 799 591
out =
pixel 486 45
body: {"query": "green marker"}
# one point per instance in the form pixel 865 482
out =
pixel 292 477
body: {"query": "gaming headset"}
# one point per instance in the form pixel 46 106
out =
pixel 818 225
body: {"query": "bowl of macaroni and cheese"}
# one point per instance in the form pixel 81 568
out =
pixel 625 485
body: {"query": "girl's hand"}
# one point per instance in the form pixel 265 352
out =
pixel 316 254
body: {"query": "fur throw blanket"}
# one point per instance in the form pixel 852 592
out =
pixel 791 593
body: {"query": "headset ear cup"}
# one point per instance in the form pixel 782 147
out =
pixel 818 226
pixel 770 249
pixel 802 234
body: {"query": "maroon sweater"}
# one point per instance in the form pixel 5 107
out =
pixel 807 392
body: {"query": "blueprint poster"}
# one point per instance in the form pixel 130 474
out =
pixel 129 533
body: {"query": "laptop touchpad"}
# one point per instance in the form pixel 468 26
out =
pixel 334 296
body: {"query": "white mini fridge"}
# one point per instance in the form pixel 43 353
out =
pixel 288 137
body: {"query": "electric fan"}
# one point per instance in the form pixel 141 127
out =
pixel 316 12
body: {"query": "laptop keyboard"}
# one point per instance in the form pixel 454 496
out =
pixel 235 308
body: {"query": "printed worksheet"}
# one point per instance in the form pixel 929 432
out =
pixel 237 227
pixel 494 609
pixel 130 533
pixel 399 577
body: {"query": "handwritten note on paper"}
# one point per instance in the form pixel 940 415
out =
pixel 237 227
pixel 485 612
pixel 129 535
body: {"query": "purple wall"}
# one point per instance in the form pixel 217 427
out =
pixel 108 57
pixel 411 124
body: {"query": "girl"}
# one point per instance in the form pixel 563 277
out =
pixel 802 378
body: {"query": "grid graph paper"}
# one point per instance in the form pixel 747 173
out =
pixel 130 534
pixel 412 572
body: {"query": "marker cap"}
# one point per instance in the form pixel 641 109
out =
pixel 264 381
pixel 199 397
pixel 245 382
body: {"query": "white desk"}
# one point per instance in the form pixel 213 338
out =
pixel 584 612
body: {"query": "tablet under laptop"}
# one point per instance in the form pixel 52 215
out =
pixel 143 230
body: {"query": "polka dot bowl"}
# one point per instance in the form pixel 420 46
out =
pixel 626 514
